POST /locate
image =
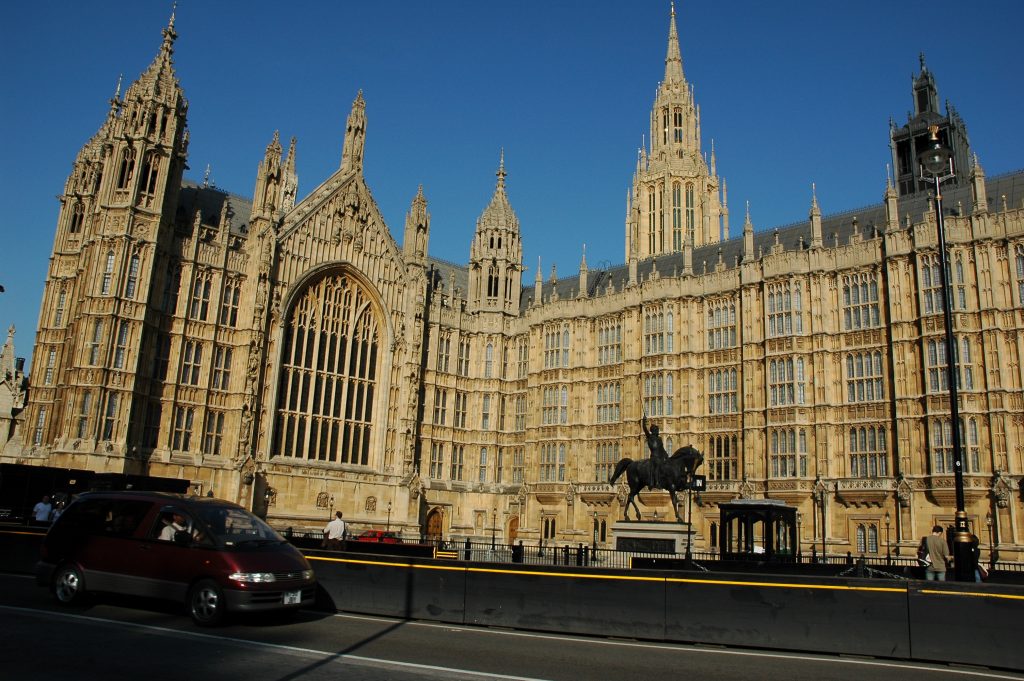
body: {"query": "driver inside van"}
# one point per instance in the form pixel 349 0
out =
pixel 177 524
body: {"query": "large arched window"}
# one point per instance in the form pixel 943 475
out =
pixel 328 374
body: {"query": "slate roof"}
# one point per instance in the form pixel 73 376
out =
pixel 209 201
pixel 836 230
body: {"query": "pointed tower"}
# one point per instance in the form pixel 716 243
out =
pixel 892 211
pixel 355 137
pixel 913 138
pixel 538 285
pixel 978 187
pixel 289 180
pixel 584 274
pixel 266 199
pixel 815 218
pixel 496 254
pixel 417 229
pixel 114 237
pixel 748 237
pixel 674 190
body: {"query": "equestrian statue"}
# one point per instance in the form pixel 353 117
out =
pixel 660 471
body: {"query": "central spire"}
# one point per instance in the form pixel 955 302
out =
pixel 673 58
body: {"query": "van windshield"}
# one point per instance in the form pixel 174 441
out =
pixel 236 526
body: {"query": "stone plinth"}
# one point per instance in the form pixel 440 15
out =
pixel 651 536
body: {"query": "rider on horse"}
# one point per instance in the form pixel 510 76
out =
pixel 659 457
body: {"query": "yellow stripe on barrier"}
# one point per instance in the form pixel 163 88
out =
pixel 624 578
pixel 936 592
pixel 31 534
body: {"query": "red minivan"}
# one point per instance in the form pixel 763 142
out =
pixel 212 555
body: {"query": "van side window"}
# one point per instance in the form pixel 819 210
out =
pixel 109 517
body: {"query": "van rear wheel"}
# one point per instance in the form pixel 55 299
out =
pixel 68 585
pixel 206 604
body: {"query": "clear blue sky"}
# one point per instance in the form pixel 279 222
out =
pixel 792 93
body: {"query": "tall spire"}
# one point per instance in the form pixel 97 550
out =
pixel 355 136
pixel 673 59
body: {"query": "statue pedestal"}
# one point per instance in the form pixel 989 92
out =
pixel 651 536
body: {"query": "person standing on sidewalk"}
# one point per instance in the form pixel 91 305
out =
pixel 938 553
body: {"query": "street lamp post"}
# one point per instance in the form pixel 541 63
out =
pixel 494 522
pixel 388 528
pixel 888 546
pixel 593 546
pixel 937 167
pixel 993 554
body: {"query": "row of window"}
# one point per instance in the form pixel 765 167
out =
pixel 499 465
pixel 787 456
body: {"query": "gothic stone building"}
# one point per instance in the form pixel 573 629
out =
pixel 288 353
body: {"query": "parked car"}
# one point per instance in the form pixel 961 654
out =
pixel 380 536
pixel 212 555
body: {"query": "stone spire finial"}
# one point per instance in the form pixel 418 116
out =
pixel 673 60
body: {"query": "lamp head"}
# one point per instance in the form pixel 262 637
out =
pixel 935 159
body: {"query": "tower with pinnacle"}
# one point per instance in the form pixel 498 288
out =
pixel 496 255
pixel 675 194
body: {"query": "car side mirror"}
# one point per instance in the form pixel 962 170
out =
pixel 182 537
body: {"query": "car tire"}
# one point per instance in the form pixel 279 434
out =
pixel 68 585
pixel 206 604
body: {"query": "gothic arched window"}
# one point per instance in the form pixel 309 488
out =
pixel 328 379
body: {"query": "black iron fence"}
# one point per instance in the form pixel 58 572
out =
pixel 584 555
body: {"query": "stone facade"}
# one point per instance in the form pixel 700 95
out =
pixel 291 355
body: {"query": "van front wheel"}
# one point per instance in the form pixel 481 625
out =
pixel 206 604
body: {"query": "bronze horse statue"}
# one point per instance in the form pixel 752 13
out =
pixel 673 475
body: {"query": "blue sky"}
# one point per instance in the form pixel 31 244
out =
pixel 791 93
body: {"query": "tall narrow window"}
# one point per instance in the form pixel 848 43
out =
pixel 221 367
pixel 51 363
pixel 229 303
pixel 199 303
pixel 191 362
pixel 868 458
pixel 677 125
pixel 171 286
pixel 460 409
pixel 440 406
pixel 181 436
pixel 84 409
pixel 691 219
pixel 94 343
pixel 436 460
pixel 77 217
pixel 458 452
pixel 677 217
pixel 328 380
pixel 126 170
pixel 489 361
pixel 931 284
pixel 213 433
pixel 485 413
pixel 108 274
pixel 110 417
pixel 58 315
pixel 482 468
pixel 37 434
pixel 1019 260
pixel 723 461
pixel 132 283
pixel 444 351
pixel 121 345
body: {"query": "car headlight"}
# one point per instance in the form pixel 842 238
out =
pixel 307 574
pixel 252 577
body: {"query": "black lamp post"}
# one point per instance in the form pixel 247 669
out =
pixel 594 544
pixel 993 552
pixel 494 522
pixel 388 528
pixel 888 546
pixel 937 167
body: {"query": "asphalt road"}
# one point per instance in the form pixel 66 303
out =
pixel 114 638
